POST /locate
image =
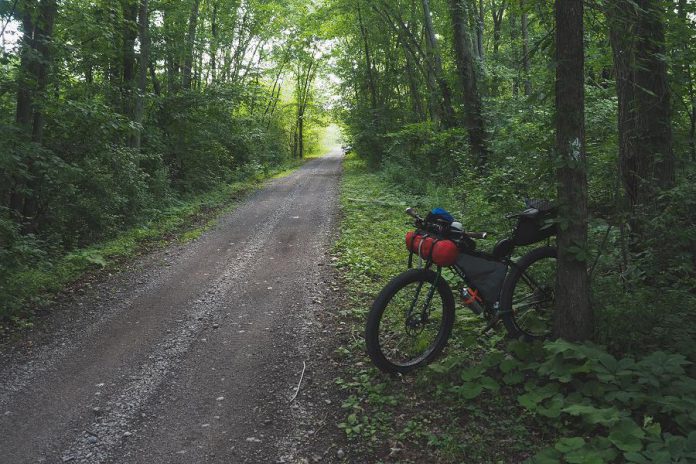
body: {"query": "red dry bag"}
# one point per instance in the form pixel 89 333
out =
pixel 443 252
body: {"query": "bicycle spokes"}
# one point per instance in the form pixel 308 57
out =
pixel 411 322
pixel 533 299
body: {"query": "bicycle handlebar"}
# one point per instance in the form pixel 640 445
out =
pixel 477 235
pixel 480 235
pixel 412 212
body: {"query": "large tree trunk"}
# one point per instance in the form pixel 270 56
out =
pixel 637 36
pixel 35 64
pixel 190 45
pixel 525 51
pixel 130 33
pixel 371 85
pixel 480 23
pixel 444 100
pixel 416 102
pixel 467 76
pixel 498 13
pixel 25 79
pixel 515 56
pixel 143 63
pixel 171 55
pixel 688 77
pixel 573 319
pixel 213 43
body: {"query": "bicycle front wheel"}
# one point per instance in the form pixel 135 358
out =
pixel 528 296
pixel 410 321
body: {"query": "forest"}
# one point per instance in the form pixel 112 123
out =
pixel 118 117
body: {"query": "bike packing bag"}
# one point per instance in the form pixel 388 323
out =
pixel 484 275
pixel 534 229
pixel 442 252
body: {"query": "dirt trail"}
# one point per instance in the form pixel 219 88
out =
pixel 195 353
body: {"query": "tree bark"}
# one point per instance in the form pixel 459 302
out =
pixel 171 55
pixel 372 87
pixel 42 43
pixel 130 33
pixel 689 77
pixel 573 318
pixel 444 100
pixel 525 51
pixel 143 63
pixel 23 115
pixel 190 45
pixel 479 30
pixel 466 68
pixel 515 58
pixel 646 158
pixel 498 13
pixel 416 102
pixel 156 87
pixel 213 43
pixel 36 59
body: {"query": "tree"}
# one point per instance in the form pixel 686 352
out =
pixel 646 157
pixel 466 68
pixel 444 100
pixel 573 318
pixel 33 77
pixel 143 63
pixel 190 45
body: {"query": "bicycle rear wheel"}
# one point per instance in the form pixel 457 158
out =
pixel 410 321
pixel 528 295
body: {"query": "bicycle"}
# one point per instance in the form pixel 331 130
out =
pixel 411 319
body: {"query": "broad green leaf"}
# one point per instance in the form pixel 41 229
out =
pixel 626 435
pixel 593 415
pixel 565 445
pixel 547 456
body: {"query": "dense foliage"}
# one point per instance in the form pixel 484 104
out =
pixel 398 85
pixel 414 118
pixel 113 112
pixel 495 400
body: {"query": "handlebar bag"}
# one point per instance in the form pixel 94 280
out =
pixel 442 252
pixel 484 275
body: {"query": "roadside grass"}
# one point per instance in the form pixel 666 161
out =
pixel 185 220
pixel 413 418
pixel 490 399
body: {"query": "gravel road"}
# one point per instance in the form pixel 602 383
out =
pixel 193 353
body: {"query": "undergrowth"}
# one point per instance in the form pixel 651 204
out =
pixel 489 399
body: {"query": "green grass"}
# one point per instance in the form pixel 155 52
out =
pixel 489 399
pixel 184 221
pixel 416 414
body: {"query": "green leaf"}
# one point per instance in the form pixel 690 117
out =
pixel 593 415
pixel 440 368
pixel 469 391
pixel 531 399
pixel 508 364
pixel 633 456
pixel 565 445
pixel 471 373
pixel 553 408
pixel 547 456
pixel 584 456
pixel 489 384
pixel 627 435
pixel 513 378
pixel 96 259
